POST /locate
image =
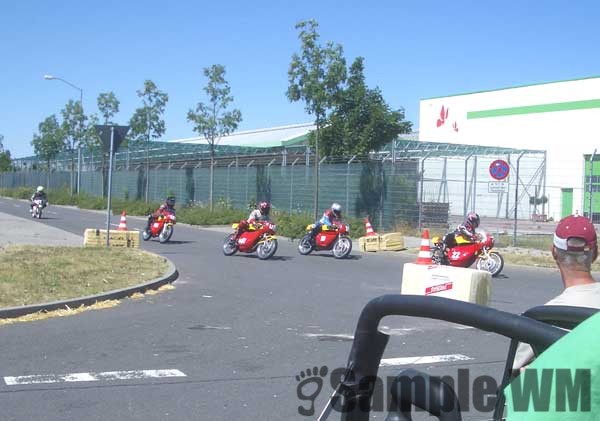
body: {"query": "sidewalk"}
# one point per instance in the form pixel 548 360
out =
pixel 17 230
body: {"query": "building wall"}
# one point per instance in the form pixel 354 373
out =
pixel 561 118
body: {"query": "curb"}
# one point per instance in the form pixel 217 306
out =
pixel 171 275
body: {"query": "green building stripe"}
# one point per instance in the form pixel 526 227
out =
pixel 534 109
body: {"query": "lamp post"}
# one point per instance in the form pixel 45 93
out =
pixel 51 77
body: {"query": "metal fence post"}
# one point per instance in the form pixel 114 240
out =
pixel 292 184
pixel 248 178
pixel 421 190
pixel 591 181
pixel 466 175
pixel 347 182
pixel 514 240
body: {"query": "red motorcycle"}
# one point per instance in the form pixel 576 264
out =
pixel 461 253
pixel 335 238
pixel 161 227
pixel 259 237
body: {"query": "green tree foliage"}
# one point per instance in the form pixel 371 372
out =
pixel 108 105
pixel 147 122
pixel 316 76
pixel 74 127
pixel 5 160
pixel 362 121
pixel 213 120
pixel 372 189
pixel 49 141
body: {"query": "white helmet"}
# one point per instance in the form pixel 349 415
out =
pixel 336 208
pixel 40 188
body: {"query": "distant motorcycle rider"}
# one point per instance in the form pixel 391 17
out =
pixel 167 206
pixel 330 217
pixel 39 194
pixel 261 214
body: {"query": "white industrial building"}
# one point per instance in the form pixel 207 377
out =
pixel 561 118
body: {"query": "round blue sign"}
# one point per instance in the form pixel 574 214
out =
pixel 499 169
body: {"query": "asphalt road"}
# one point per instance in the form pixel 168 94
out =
pixel 238 328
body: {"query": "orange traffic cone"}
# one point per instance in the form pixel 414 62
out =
pixel 369 228
pixel 424 252
pixel 123 223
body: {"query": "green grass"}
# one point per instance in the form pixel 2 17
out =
pixel 34 274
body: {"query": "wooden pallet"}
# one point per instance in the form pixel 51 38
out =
pixel 97 238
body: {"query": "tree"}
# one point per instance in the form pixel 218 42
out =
pixel 213 120
pixel 5 160
pixel 146 122
pixel 108 105
pixel 74 128
pixel 316 76
pixel 49 141
pixel 361 121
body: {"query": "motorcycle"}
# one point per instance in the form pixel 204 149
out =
pixel 462 253
pixel 161 227
pixel 36 210
pixel 259 237
pixel 335 238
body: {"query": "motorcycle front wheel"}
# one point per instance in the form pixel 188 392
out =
pixel 165 234
pixel 305 245
pixel 493 264
pixel 342 247
pixel 146 235
pixel 266 249
pixel 229 246
pixel 437 256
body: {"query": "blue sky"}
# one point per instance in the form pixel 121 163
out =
pixel 412 49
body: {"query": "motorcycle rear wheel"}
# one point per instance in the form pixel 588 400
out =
pixel 229 246
pixel 342 247
pixel 165 234
pixel 266 249
pixel 305 246
pixel 493 264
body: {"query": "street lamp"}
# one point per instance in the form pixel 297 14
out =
pixel 51 77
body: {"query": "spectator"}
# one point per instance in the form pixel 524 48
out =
pixel 574 249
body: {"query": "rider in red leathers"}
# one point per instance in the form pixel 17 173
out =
pixel 466 231
pixel 257 215
pixel 167 206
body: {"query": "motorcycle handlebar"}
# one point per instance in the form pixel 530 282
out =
pixel 369 344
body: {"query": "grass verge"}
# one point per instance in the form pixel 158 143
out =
pixel 34 274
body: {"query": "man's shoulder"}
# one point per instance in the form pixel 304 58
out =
pixel 587 295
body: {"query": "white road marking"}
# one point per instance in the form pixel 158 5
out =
pixel 328 335
pixel 426 359
pixel 207 296
pixel 92 377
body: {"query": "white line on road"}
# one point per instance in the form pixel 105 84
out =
pixel 427 359
pixel 92 377
pixel 328 335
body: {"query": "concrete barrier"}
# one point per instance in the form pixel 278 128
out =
pixel 97 238
pixel 370 243
pixel 470 285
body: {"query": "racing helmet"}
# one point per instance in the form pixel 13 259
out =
pixel 264 207
pixel 336 208
pixel 170 201
pixel 40 189
pixel 473 219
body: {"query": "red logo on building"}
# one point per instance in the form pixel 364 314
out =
pixel 443 117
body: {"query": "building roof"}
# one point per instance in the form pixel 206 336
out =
pixel 511 87
pixel 260 138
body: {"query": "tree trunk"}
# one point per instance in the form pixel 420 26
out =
pixel 212 178
pixel 72 168
pixel 147 169
pixel 316 195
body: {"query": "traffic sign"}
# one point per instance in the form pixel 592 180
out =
pixel 104 133
pixel 497 186
pixel 499 169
